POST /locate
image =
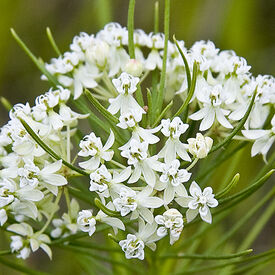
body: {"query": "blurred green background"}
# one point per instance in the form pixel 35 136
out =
pixel 246 26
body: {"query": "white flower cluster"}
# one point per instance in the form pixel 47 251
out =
pixel 144 180
pixel 29 178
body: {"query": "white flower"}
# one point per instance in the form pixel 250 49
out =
pixel 29 174
pixel 30 242
pixel 263 139
pixel 173 177
pixel 92 146
pixel 3 217
pixel 137 155
pixel 112 221
pixel 170 220
pixel 49 177
pixel 86 221
pixel 198 202
pixel 126 202
pixel 200 146
pixel 126 85
pixel 212 99
pixel 133 247
pixel 137 203
pixel 100 180
pixel 173 146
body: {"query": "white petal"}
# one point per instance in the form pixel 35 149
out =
pixel 109 143
pixel 254 134
pixel 54 179
pixel 52 168
pixel 183 201
pixel 46 249
pixel 222 120
pixel 191 214
pixel 151 202
pixel 148 174
pixel 181 190
pixel 208 120
pixel 123 176
pixel 146 214
pixel 136 175
pixel 91 164
pixel 169 194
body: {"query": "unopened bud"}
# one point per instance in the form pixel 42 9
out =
pixel 134 67
pixel 200 146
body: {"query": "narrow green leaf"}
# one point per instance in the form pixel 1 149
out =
pixel 165 110
pixel 35 60
pixel 49 150
pixel 20 268
pixel 249 190
pixel 228 263
pixel 259 225
pixel 139 96
pixel 254 267
pixel 187 69
pixel 150 110
pixel 191 91
pixel 94 246
pixel 156 17
pixel 52 41
pixel 242 221
pixel 130 25
pixel 223 156
pixel 237 128
pixel 105 209
pixel 5 252
pixel 6 104
pixel 99 107
pixel 232 184
pixel 206 257
pixel 164 62
pixel 100 257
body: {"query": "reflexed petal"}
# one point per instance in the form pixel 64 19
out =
pixel 208 120
pixel 191 214
pixel 222 120
pixel 169 194
pixel 109 143
pixel 195 190
pixel 184 201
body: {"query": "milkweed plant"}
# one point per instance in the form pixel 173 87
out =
pixel 154 110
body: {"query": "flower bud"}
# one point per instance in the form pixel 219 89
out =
pixel 133 67
pixel 200 146
pixel 98 53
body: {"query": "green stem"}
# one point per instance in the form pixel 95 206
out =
pixel 105 209
pixel 100 107
pixel 58 197
pixel 131 13
pixel 238 127
pixel 20 268
pixel 232 184
pixel 190 91
pixel 164 63
pixel 230 262
pixel 156 17
pixel 35 60
pixel 258 226
pixel 165 110
pixel 6 104
pixel 49 150
pixel 206 257
pixel 187 69
pixel 52 41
